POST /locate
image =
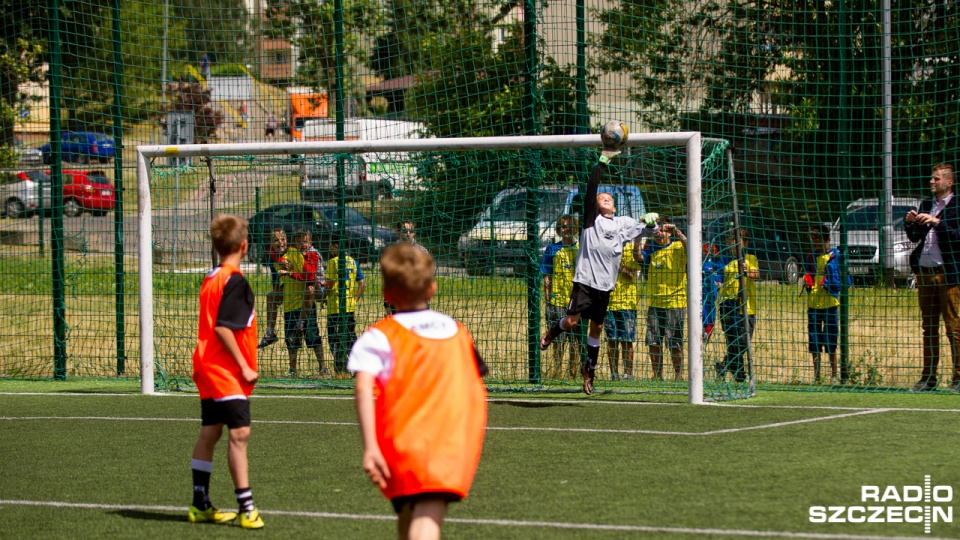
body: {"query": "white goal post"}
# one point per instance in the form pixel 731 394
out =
pixel 690 140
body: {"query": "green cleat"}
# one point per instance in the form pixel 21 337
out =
pixel 210 515
pixel 251 519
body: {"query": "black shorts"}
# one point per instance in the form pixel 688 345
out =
pixel 235 413
pixel 400 502
pixel 588 302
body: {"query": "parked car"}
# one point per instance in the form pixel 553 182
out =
pixel 18 193
pixel 26 156
pixel 86 191
pixel 779 257
pixel 318 181
pixel 363 241
pixel 862 224
pixel 81 146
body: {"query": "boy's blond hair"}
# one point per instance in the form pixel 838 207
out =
pixel 407 272
pixel 228 231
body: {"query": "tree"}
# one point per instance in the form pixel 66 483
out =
pixel 312 27
pixel 22 34
pixel 721 53
pixel 215 28
pixel 194 98
pixel 412 24
pixel 475 88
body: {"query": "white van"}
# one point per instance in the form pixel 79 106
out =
pixel 500 234
pixel 393 169
pixel 863 239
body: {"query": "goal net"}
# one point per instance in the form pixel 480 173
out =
pixel 486 208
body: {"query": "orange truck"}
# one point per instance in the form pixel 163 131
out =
pixel 305 104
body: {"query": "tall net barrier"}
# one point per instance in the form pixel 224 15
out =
pixel 835 114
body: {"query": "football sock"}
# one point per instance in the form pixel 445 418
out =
pixel 556 330
pixel 245 499
pixel 593 353
pixel 201 483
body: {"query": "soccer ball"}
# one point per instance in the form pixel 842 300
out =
pixel 614 134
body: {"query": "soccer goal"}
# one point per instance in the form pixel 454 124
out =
pixel 469 200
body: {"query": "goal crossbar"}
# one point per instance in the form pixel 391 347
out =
pixel 691 140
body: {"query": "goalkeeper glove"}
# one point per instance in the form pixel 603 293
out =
pixel 650 219
pixel 808 281
pixel 607 154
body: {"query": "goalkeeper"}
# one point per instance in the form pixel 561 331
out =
pixel 598 262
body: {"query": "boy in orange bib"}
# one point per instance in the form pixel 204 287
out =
pixel 225 371
pixel 423 434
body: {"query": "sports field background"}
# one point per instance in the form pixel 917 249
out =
pixel 100 461
pixel 795 89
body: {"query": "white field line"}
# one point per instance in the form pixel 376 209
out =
pixel 585 401
pixel 793 422
pixel 489 428
pixel 491 522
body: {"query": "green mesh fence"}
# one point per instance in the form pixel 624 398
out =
pixel 835 112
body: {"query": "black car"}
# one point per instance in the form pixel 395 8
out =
pixel 361 241
pixel 779 258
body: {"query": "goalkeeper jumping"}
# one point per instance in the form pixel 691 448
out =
pixel 598 261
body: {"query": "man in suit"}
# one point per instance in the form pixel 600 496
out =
pixel 936 262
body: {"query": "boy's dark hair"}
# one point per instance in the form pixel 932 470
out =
pixel 403 222
pixel 820 230
pixel 569 219
pixel 227 232
pixel 299 234
pixel 407 272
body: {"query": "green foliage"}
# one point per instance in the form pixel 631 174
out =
pixel 818 62
pixel 21 44
pixel 217 29
pixel 477 89
pixel 318 44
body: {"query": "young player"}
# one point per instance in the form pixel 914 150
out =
pixel 275 256
pixel 225 371
pixel 737 328
pixel 822 283
pixel 620 325
pixel 666 263
pixel 423 434
pixel 300 323
pixel 598 262
pixel 342 327
pixel 407 232
pixel 559 260
pixel 312 276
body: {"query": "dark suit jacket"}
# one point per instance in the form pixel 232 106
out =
pixel 948 238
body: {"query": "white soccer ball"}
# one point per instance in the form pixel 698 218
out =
pixel 614 134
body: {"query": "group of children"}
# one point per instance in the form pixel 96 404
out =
pixel 418 378
pixel 418 372
pixel 606 292
pixel 300 284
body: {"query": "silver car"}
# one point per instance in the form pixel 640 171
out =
pixel 318 180
pixel 26 156
pixel 863 239
pixel 18 194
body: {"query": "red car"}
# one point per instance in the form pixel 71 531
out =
pixel 85 191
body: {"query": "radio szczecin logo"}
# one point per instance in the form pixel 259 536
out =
pixel 926 504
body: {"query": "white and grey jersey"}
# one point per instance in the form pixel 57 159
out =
pixel 602 240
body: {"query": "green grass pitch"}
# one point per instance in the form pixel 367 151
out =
pixel 97 460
